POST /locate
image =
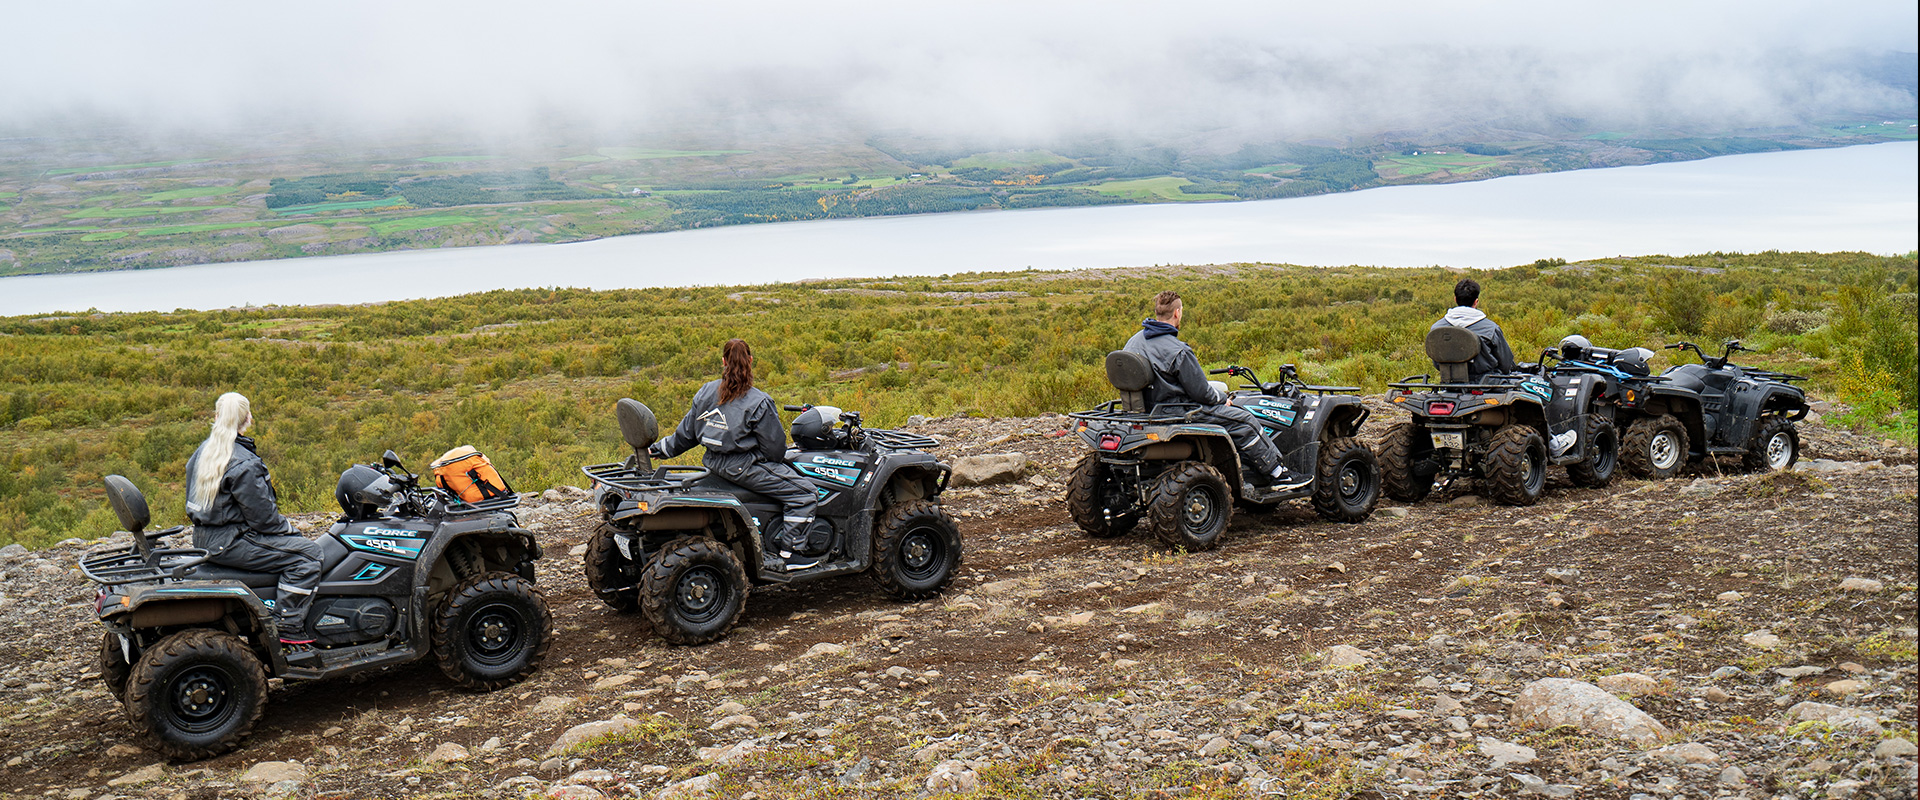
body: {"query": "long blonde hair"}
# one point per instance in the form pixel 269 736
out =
pixel 231 413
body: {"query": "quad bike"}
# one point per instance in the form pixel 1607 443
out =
pixel 682 545
pixel 408 572
pixel 1506 429
pixel 1152 464
pixel 1693 411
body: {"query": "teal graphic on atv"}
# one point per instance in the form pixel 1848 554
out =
pixel 682 545
pixel 1151 464
pixel 407 573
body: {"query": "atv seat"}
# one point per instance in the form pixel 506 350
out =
pixel 1131 374
pixel 712 482
pixel 1452 350
pixel 208 571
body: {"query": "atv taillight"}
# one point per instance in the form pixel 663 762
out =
pixel 1110 441
pixel 1440 407
pixel 1477 392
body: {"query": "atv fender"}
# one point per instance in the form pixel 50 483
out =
pixel 1684 404
pixel 927 474
pixel 1336 416
pixel 219 605
pixel 1748 400
pixel 703 513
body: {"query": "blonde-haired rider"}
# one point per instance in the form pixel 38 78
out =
pixel 236 517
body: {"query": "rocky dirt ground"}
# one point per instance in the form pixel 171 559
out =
pixel 1755 635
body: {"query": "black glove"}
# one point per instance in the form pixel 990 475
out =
pixel 656 451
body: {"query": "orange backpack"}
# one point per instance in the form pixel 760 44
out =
pixel 468 474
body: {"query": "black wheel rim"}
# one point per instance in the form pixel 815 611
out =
pixel 1605 451
pixel 922 553
pixel 1200 511
pixel 1533 465
pixel 201 699
pixel 1354 481
pixel 702 594
pixel 494 634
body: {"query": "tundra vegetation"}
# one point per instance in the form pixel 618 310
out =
pixel 85 205
pixel 530 376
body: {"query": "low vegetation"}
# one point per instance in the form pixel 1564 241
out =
pixel 530 376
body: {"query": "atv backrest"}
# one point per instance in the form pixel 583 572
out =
pixel 128 504
pixel 637 424
pixel 1452 349
pixel 1131 374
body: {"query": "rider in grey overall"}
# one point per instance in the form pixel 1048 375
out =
pixel 236 518
pixel 740 427
pixel 1495 356
pixel 1178 378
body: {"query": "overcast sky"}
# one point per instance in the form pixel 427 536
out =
pixel 1007 70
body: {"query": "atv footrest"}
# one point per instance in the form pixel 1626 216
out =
pixel 1255 494
pixel 824 570
pixel 326 663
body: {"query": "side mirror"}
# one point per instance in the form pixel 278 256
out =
pixel 390 460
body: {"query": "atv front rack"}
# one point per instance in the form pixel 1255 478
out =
pixel 900 440
pixel 454 506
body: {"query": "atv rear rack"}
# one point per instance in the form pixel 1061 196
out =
pixel 620 475
pixel 900 440
pixel 123 564
pixel 1427 385
pixel 1110 412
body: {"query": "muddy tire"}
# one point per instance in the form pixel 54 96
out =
pixel 1346 481
pixel 114 668
pixel 916 550
pixel 612 577
pixel 1404 444
pixel 492 631
pixel 1603 455
pixel 1088 489
pixel 1775 447
pixel 196 693
pixel 1516 465
pixel 1654 447
pixel 693 590
pixel 1189 507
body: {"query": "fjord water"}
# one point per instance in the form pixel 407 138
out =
pixel 1855 198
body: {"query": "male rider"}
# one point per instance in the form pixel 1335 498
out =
pixel 1494 355
pixel 1177 378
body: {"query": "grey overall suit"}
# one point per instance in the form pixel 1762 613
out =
pixel 746 445
pixel 1178 378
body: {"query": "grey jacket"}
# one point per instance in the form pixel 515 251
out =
pixel 749 425
pixel 1177 376
pixel 245 501
pixel 1494 355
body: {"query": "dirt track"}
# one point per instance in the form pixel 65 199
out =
pixel 1191 670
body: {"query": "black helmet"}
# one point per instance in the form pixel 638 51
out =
pixel 1576 348
pixel 813 429
pixel 362 492
pixel 1632 360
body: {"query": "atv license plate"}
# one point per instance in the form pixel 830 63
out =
pixel 1449 441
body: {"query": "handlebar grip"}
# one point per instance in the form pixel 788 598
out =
pixel 1225 371
pixel 791 407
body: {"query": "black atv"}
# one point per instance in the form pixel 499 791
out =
pixel 1506 429
pixel 408 572
pixel 1693 411
pixel 1153 464
pixel 682 545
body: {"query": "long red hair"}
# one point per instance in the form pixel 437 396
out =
pixel 736 370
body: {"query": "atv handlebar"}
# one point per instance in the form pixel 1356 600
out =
pixel 792 407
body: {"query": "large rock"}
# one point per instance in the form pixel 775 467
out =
pixel 591 730
pixel 1506 753
pixel 952 776
pixel 1552 702
pixel 689 788
pixel 1341 656
pixel 146 774
pixel 1837 717
pixel 275 772
pixel 1632 683
pixel 447 753
pixel 986 470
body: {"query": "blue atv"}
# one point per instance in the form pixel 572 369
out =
pixel 1151 464
pixel 408 572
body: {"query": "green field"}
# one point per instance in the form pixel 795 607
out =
pixel 184 194
pixel 1429 163
pixel 169 230
pixel 644 153
pixel 137 211
pixel 5 195
pixel 341 205
pixel 1147 190
pixel 419 223
pixel 105 236
pixel 1008 160
pixel 117 167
